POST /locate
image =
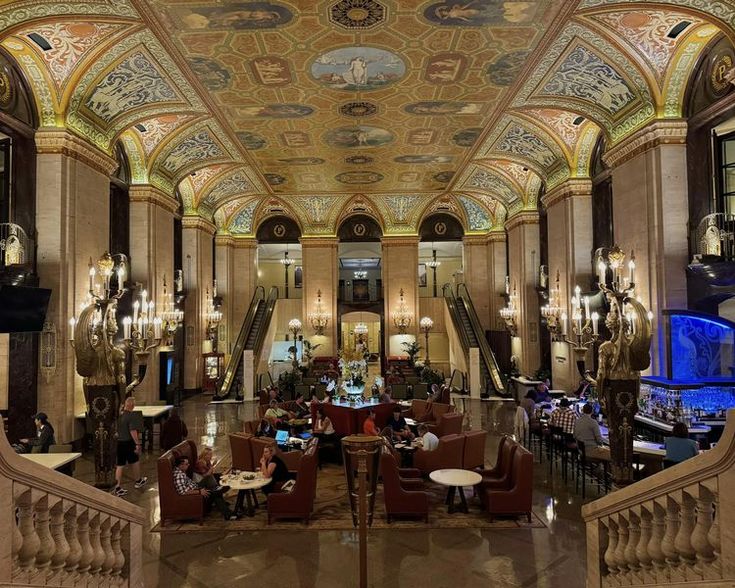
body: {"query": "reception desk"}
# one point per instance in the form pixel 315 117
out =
pixel 347 418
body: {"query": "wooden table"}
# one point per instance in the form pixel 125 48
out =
pixel 456 479
pixel 64 462
pixel 245 489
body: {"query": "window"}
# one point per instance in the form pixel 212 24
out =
pixel 726 184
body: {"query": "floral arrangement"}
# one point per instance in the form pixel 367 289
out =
pixel 353 367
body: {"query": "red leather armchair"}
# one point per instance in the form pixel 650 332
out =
pixel 241 453
pixel 518 497
pixel 299 503
pixel 175 507
pixel 398 500
pixel 448 454
pixel 449 423
pixel 503 448
pixel 474 450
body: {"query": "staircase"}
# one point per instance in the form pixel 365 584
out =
pixel 672 528
pixel 251 337
pixel 472 335
pixel 61 532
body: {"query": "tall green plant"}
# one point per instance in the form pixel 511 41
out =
pixel 412 349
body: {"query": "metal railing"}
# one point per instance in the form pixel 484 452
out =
pixel 270 306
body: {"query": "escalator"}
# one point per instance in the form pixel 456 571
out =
pixel 251 337
pixel 472 335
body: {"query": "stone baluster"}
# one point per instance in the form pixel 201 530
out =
pixel 713 535
pixel 17 536
pixel 25 498
pixel 83 534
pixel 672 529
pixel 683 540
pixel 95 523
pixel 641 551
pixel 655 545
pixel 612 543
pixel 704 552
pixel 72 537
pixel 56 528
pixel 105 542
pixel 119 563
pixel 631 550
pixel 623 537
pixel 43 530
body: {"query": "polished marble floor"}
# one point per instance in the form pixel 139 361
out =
pixel 546 558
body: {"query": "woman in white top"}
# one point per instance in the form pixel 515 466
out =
pixel 322 426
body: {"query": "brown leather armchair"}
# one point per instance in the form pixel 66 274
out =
pixel 257 444
pixel 175 507
pixel 502 455
pixel 241 453
pixel 518 497
pixel 499 477
pixel 448 454
pixel 299 503
pixel 449 423
pixel 474 450
pixel 398 500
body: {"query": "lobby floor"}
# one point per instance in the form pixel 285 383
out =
pixel 303 558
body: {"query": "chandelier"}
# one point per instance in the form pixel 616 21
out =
pixel 510 313
pixel 171 316
pixel 552 311
pixel 286 261
pixel 212 315
pixel 360 275
pixel 402 316
pixel 361 329
pixel 433 262
pixel 294 326
pixel 319 319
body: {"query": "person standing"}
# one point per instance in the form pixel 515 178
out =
pixel 128 448
pixel 173 431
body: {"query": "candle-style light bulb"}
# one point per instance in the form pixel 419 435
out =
pixel 595 323
pixel 127 322
pixel 92 274
pixel 631 271
pixel 564 319
pixel 72 325
pixel 136 307
pixel 601 269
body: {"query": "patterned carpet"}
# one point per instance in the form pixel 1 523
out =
pixel 332 512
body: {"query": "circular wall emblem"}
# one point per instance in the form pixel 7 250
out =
pixel 6 90
pixel 100 406
pixel 721 74
pixel 358 109
pixel 440 228
pixel 359 229
pixel 279 230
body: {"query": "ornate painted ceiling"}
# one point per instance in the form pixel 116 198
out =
pixel 321 108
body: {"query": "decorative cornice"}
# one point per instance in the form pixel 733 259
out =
pixel 525 217
pixel 244 242
pixel 475 239
pixel 319 241
pixel 197 222
pixel 51 140
pixel 224 240
pixel 497 236
pixel 569 189
pixel 659 132
pixel 152 195
pixel 399 240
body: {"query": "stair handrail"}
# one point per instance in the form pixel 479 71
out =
pixel 223 390
pixel 40 502
pixel 451 301
pixel 667 526
pixel 489 357
pixel 270 306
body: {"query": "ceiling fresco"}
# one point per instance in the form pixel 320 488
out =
pixel 316 109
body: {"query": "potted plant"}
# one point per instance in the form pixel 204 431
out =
pixel 412 349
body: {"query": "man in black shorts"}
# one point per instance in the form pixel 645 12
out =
pixel 128 448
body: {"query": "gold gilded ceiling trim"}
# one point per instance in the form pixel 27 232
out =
pixel 198 223
pixel 568 189
pixel 659 132
pixel 67 143
pixel 153 195
pixel 526 217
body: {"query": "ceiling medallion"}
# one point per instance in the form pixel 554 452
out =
pixel 357 14
pixel 358 159
pixel 358 109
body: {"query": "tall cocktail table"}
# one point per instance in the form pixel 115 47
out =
pixel 246 483
pixel 456 479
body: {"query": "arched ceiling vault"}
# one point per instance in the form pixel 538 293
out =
pixel 310 110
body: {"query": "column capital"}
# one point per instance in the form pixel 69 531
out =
pixel 224 240
pixel 153 195
pixel 525 217
pixel 399 240
pixel 244 243
pixel 496 236
pixel 568 189
pixel 659 132
pixel 199 223
pixel 475 240
pixel 62 141
pixel 319 241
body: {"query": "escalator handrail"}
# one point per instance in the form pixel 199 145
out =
pixel 490 362
pixel 451 300
pixel 225 384
pixel 270 306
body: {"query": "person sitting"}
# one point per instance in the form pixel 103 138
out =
pixel 436 393
pixel 429 441
pixel 587 431
pixel 322 426
pixel 173 431
pixel 266 429
pixel 399 425
pixel 185 486
pixel 276 415
pixel 528 403
pixel 542 393
pixel 369 427
pixel 204 474
pixel 679 446
pixel 375 391
pixel 385 396
pixel 301 410
pixel 272 466
pixel 582 389
pixel 44 435
pixel 563 417
pixel 274 394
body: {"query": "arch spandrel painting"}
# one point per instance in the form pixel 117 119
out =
pixel 357 68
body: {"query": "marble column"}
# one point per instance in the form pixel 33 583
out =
pixel 524 251
pixel 476 275
pixel 569 221
pixel 72 224
pixel 400 272
pixel 650 214
pixel 151 260
pixel 497 269
pixel 320 266
pixel 197 249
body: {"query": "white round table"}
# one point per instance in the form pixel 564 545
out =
pixel 456 479
pixel 245 489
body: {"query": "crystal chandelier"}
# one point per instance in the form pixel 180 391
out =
pixel 319 319
pixel 552 311
pixel 286 261
pixel 510 313
pixel 361 329
pixel 213 317
pixel 294 326
pixel 171 316
pixel 402 316
pixel 360 275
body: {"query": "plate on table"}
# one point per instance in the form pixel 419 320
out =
pixel 400 445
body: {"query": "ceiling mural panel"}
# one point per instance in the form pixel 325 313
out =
pixel 478 219
pixel 237 183
pixel 242 223
pixel 152 132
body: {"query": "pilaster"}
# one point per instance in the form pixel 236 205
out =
pixel 319 260
pixel 477 275
pixel 400 272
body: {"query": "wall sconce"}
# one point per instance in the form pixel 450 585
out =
pixel 552 311
pixel 402 317
pixel 319 319
pixel 510 313
pixel 48 351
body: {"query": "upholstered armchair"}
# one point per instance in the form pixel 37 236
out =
pixel 242 457
pixel 517 498
pixel 400 501
pixel 174 506
pixel 474 450
pixel 299 502
pixel 448 454
pixel 448 423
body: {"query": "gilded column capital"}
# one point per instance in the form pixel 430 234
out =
pixel 244 242
pixel 62 141
pixel 317 241
pixel 568 189
pixel 199 223
pixel 475 240
pixel 497 236
pixel 399 240
pixel 224 240
pixel 153 195
pixel 659 132
pixel 525 217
